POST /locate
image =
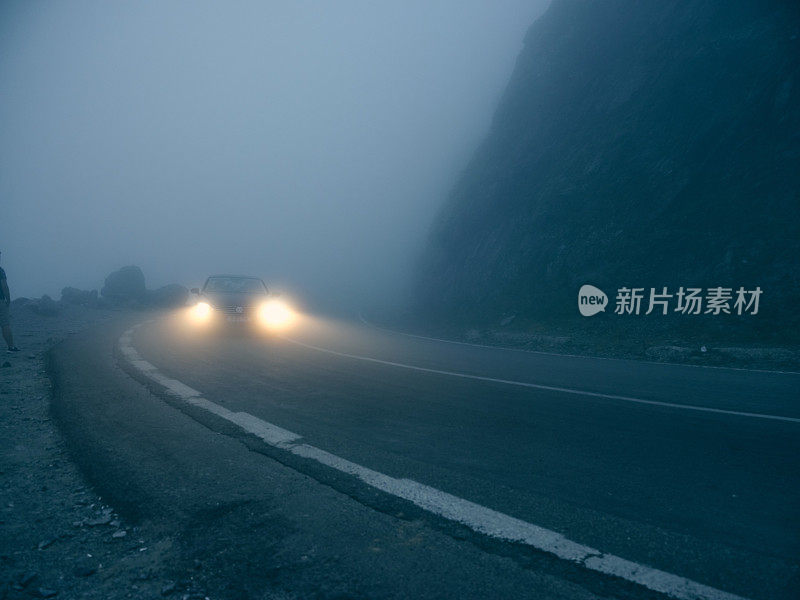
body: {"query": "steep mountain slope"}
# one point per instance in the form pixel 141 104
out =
pixel 637 144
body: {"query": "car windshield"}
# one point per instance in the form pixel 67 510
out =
pixel 235 285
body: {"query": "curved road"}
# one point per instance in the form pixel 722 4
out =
pixel 620 477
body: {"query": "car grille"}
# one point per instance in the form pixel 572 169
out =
pixel 235 310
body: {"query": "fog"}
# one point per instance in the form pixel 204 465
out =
pixel 307 143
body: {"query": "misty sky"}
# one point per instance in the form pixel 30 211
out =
pixel 309 143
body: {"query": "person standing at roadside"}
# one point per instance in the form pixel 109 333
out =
pixel 5 309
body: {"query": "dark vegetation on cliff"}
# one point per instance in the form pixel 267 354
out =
pixel 637 144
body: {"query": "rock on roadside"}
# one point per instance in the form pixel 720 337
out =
pixel 44 306
pixel 125 285
pixel 168 296
pixel 71 295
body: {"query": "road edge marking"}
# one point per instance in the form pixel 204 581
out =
pixel 479 518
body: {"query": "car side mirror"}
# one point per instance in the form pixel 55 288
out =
pixel 195 291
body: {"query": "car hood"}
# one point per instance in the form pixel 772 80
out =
pixel 220 300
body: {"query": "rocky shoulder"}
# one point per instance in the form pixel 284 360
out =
pixel 58 537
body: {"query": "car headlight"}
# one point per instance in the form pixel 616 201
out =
pixel 201 310
pixel 275 314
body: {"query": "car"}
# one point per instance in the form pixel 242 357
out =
pixel 239 299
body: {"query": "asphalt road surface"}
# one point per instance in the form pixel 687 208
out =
pixel 342 460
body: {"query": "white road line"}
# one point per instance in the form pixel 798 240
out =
pixel 478 518
pixel 550 388
pixel 585 356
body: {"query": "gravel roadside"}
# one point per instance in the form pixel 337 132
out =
pixel 57 538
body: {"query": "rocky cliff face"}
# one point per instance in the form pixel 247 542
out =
pixel 637 143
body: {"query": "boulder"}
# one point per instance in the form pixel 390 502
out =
pixel 169 296
pixel 71 295
pixel 125 285
pixel 105 303
pixel 44 306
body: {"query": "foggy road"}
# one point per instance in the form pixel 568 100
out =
pixel 617 178
pixel 616 476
